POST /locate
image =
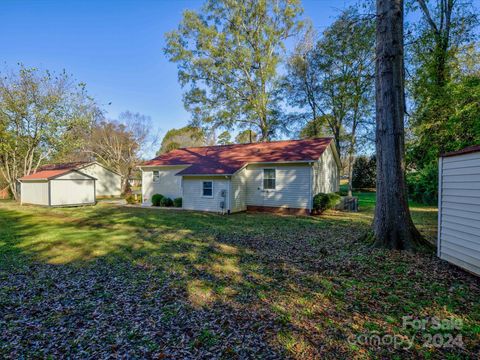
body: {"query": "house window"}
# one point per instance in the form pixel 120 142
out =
pixel 269 179
pixel 156 176
pixel 207 189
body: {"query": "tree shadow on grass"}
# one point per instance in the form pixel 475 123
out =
pixel 193 284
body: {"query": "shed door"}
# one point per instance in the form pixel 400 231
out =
pixel 72 192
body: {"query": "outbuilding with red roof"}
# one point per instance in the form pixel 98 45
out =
pixel 60 186
pixel 279 175
pixel 49 186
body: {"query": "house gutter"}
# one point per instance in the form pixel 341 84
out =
pixel 204 175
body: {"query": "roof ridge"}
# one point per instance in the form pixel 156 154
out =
pixel 255 143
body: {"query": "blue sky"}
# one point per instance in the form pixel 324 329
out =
pixel 115 47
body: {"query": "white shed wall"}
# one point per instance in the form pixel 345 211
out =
pixel 169 185
pixel 193 198
pixel 293 186
pixel 459 211
pixel 108 183
pixel 34 192
pixel 72 189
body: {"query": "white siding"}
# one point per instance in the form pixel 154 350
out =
pixel 459 211
pixel 34 192
pixel 108 183
pixel 239 191
pixel 293 186
pixel 326 173
pixel 193 198
pixel 72 189
pixel 169 185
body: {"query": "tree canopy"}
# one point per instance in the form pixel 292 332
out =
pixel 118 144
pixel 183 137
pixel 444 88
pixel 246 137
pixel 225 138
pixel 331 81
pixel 228 56
pixel 40 115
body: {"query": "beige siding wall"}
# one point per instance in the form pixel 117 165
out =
pixel 193 198
pixel 169 184
pixel 72 189
pixel 459 213
pixel 239 191
pixel 108 183
pixel 326 174
pixel 293 186
pixel 34 192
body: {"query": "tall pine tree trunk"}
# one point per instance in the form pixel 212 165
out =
pixel 393 226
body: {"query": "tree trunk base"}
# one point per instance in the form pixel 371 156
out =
pixel 416 242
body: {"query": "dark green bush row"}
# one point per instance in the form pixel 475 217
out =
pixel 177 202
pixel 322 202
pixel 156 199
pixel 364 172
pixel 166 202
pixel 423 185
pixel 160 200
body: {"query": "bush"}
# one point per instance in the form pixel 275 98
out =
pixel 342 192
pixel 177 202
pixel 157 199
pixel 364 172
pixel 130 198
pixel 166 202
pixel 322 202
pixel 423 185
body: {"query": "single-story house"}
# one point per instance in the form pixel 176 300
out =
pixel 459 208
pixel 279 175
pixel 61 187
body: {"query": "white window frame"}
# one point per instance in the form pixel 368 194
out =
pixel 156 179
pixel 207 196
pixel 263 179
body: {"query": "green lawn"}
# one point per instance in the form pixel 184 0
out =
pixel 116 281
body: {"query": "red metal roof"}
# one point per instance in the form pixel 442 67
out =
pixel 64 166
pixel 227 159
pixel 45 175
pixel 467 150
pixel 52 170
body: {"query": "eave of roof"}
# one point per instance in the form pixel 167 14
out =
pixel 467 150
pixel 51 174
pixel 44 175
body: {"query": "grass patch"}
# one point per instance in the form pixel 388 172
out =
pixel 114 281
